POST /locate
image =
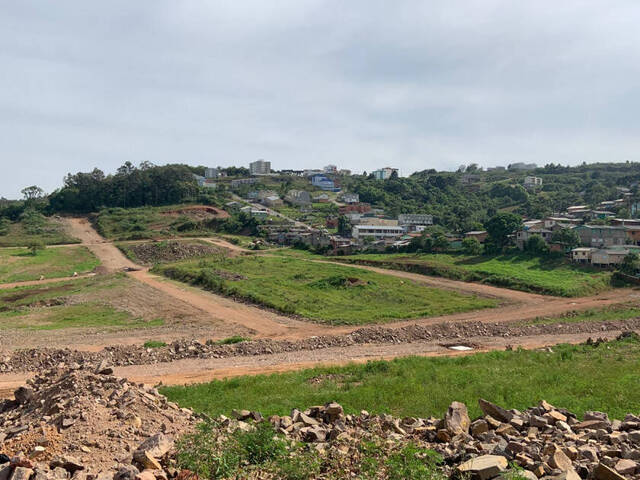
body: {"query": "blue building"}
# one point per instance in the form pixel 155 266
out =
pixel 323 182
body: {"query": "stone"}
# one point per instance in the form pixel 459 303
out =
pixel 240 414
pixel 555 416
pixel 626 467
pixel 506 429
pixel 21 473
pixel 570 474
pixel 145 475
pixel 602 472
pixel 484 467
pixel 457 418
pixel 558 459
pixel 588 453
pixel 70 464
pixel 157 445
pixel 590 425
pixel 479 427
pixel 126 472
pixel 23 395
pixel 495 411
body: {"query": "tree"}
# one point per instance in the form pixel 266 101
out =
pixel 500 226
pixel 630 263
pixel 566 237
pixel 35 245
pixel 537 245
pixel 344 226
pixel 471 246
pixel 439 241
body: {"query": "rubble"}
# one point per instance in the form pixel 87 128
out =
pixel 79 419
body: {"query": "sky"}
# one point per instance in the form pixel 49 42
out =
pixel 362 84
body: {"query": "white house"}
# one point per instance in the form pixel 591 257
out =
pixel 377 232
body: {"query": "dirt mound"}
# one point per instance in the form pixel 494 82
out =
pixel 170 251
pixel 87 417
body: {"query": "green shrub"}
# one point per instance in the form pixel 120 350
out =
pixel 154 344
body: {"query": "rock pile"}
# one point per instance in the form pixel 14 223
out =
pixel 83 421
pixel 38 359
pixel 170 251
pixel 545 441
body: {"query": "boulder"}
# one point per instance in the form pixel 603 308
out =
pixel 602 472
pixel 483 467
pixel 457 418
pixel 495 411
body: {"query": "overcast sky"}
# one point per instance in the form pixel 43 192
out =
pixel 303 83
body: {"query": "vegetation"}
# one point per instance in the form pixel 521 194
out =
pixel 154 344
pixel 611 313
pixel 22 264
pixel 171 221
pixel 232 340
pixel 551 275
pixel 85 315
pixel 329 293
pixel 578 377
pixel 32 227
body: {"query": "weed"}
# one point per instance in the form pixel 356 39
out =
pixel 154 344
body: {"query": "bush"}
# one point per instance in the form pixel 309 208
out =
pixel 536 245
pixel 154 344
pixel 471 246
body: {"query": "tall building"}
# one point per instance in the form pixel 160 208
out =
pixel 260 167
pixel 384 173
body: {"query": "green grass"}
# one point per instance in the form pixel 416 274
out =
pixel 611 313
pixel 579 378
pixel 154 344
pixel 144 223
pixel 329 293
pixel 52 234
pixel 232 340
pixel 18 264
pixel 552 275
pixel 84 315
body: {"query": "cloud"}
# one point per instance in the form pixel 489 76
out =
pixel 361 84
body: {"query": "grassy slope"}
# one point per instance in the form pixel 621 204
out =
pixel 553 276
pixel 53 235
pixel 611 313
pixel 314 290
pixel 575 377
pixel 19 306
pixel 18 264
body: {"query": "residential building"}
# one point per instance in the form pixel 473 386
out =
pixel 255 212
pixel 608 257
pixel 633 234
pixel 262 194
pixel 205 182
pixel 213 173
pixel 384 173
pixel 480 235
pixel 232 206
pixel 354 208
pixel 323 182
pixel 521 166
pixel 377 232
pixel 243 181
pixel 532 182
pixel 496 169
pixel 523 236
pixel 582 254
pixel 415 221
pixel 298 197
pixel 330 169
pixel 260 167
pixel 272 201
pixel 565 222
pixel 626 222
pixel 601 235
pixel 350 198
pixel 386 222
pixel 322 198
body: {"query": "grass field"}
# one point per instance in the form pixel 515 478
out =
pixel 552 275
pixel 327 293
pixel 19 264
pixel 151 222
pixel 579 378
pixel 612 313
pixel 68 304
pixel 52 233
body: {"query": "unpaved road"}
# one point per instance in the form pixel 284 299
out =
pixel 262 323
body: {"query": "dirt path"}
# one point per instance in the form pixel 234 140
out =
pixel 29 283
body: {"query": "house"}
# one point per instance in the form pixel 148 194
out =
pixel 480 235
pixel 254 212
pixel 350 198
pixel 322 198
pixel 523 236
pixel 608 257
pixel 272 201
pixel 521 166
pixel 232 206
pixel 601 235
pixel 262 194
pixel 253 195
pixel 582 254
pixel 378 221
pixel 532 182
pixel 633 234
pixel 260 167
pixel 243 181
pixel 626 222
pixel 532 223
pixel 354 208
pixel 565 222
pixel 205 182
pixel 496 169
pixel 298 197
pixel 602 214
pixel 213 173
pixel 415 221
pixel 377 232
pixel 330 169
pixel 384 173
pixel 323 182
